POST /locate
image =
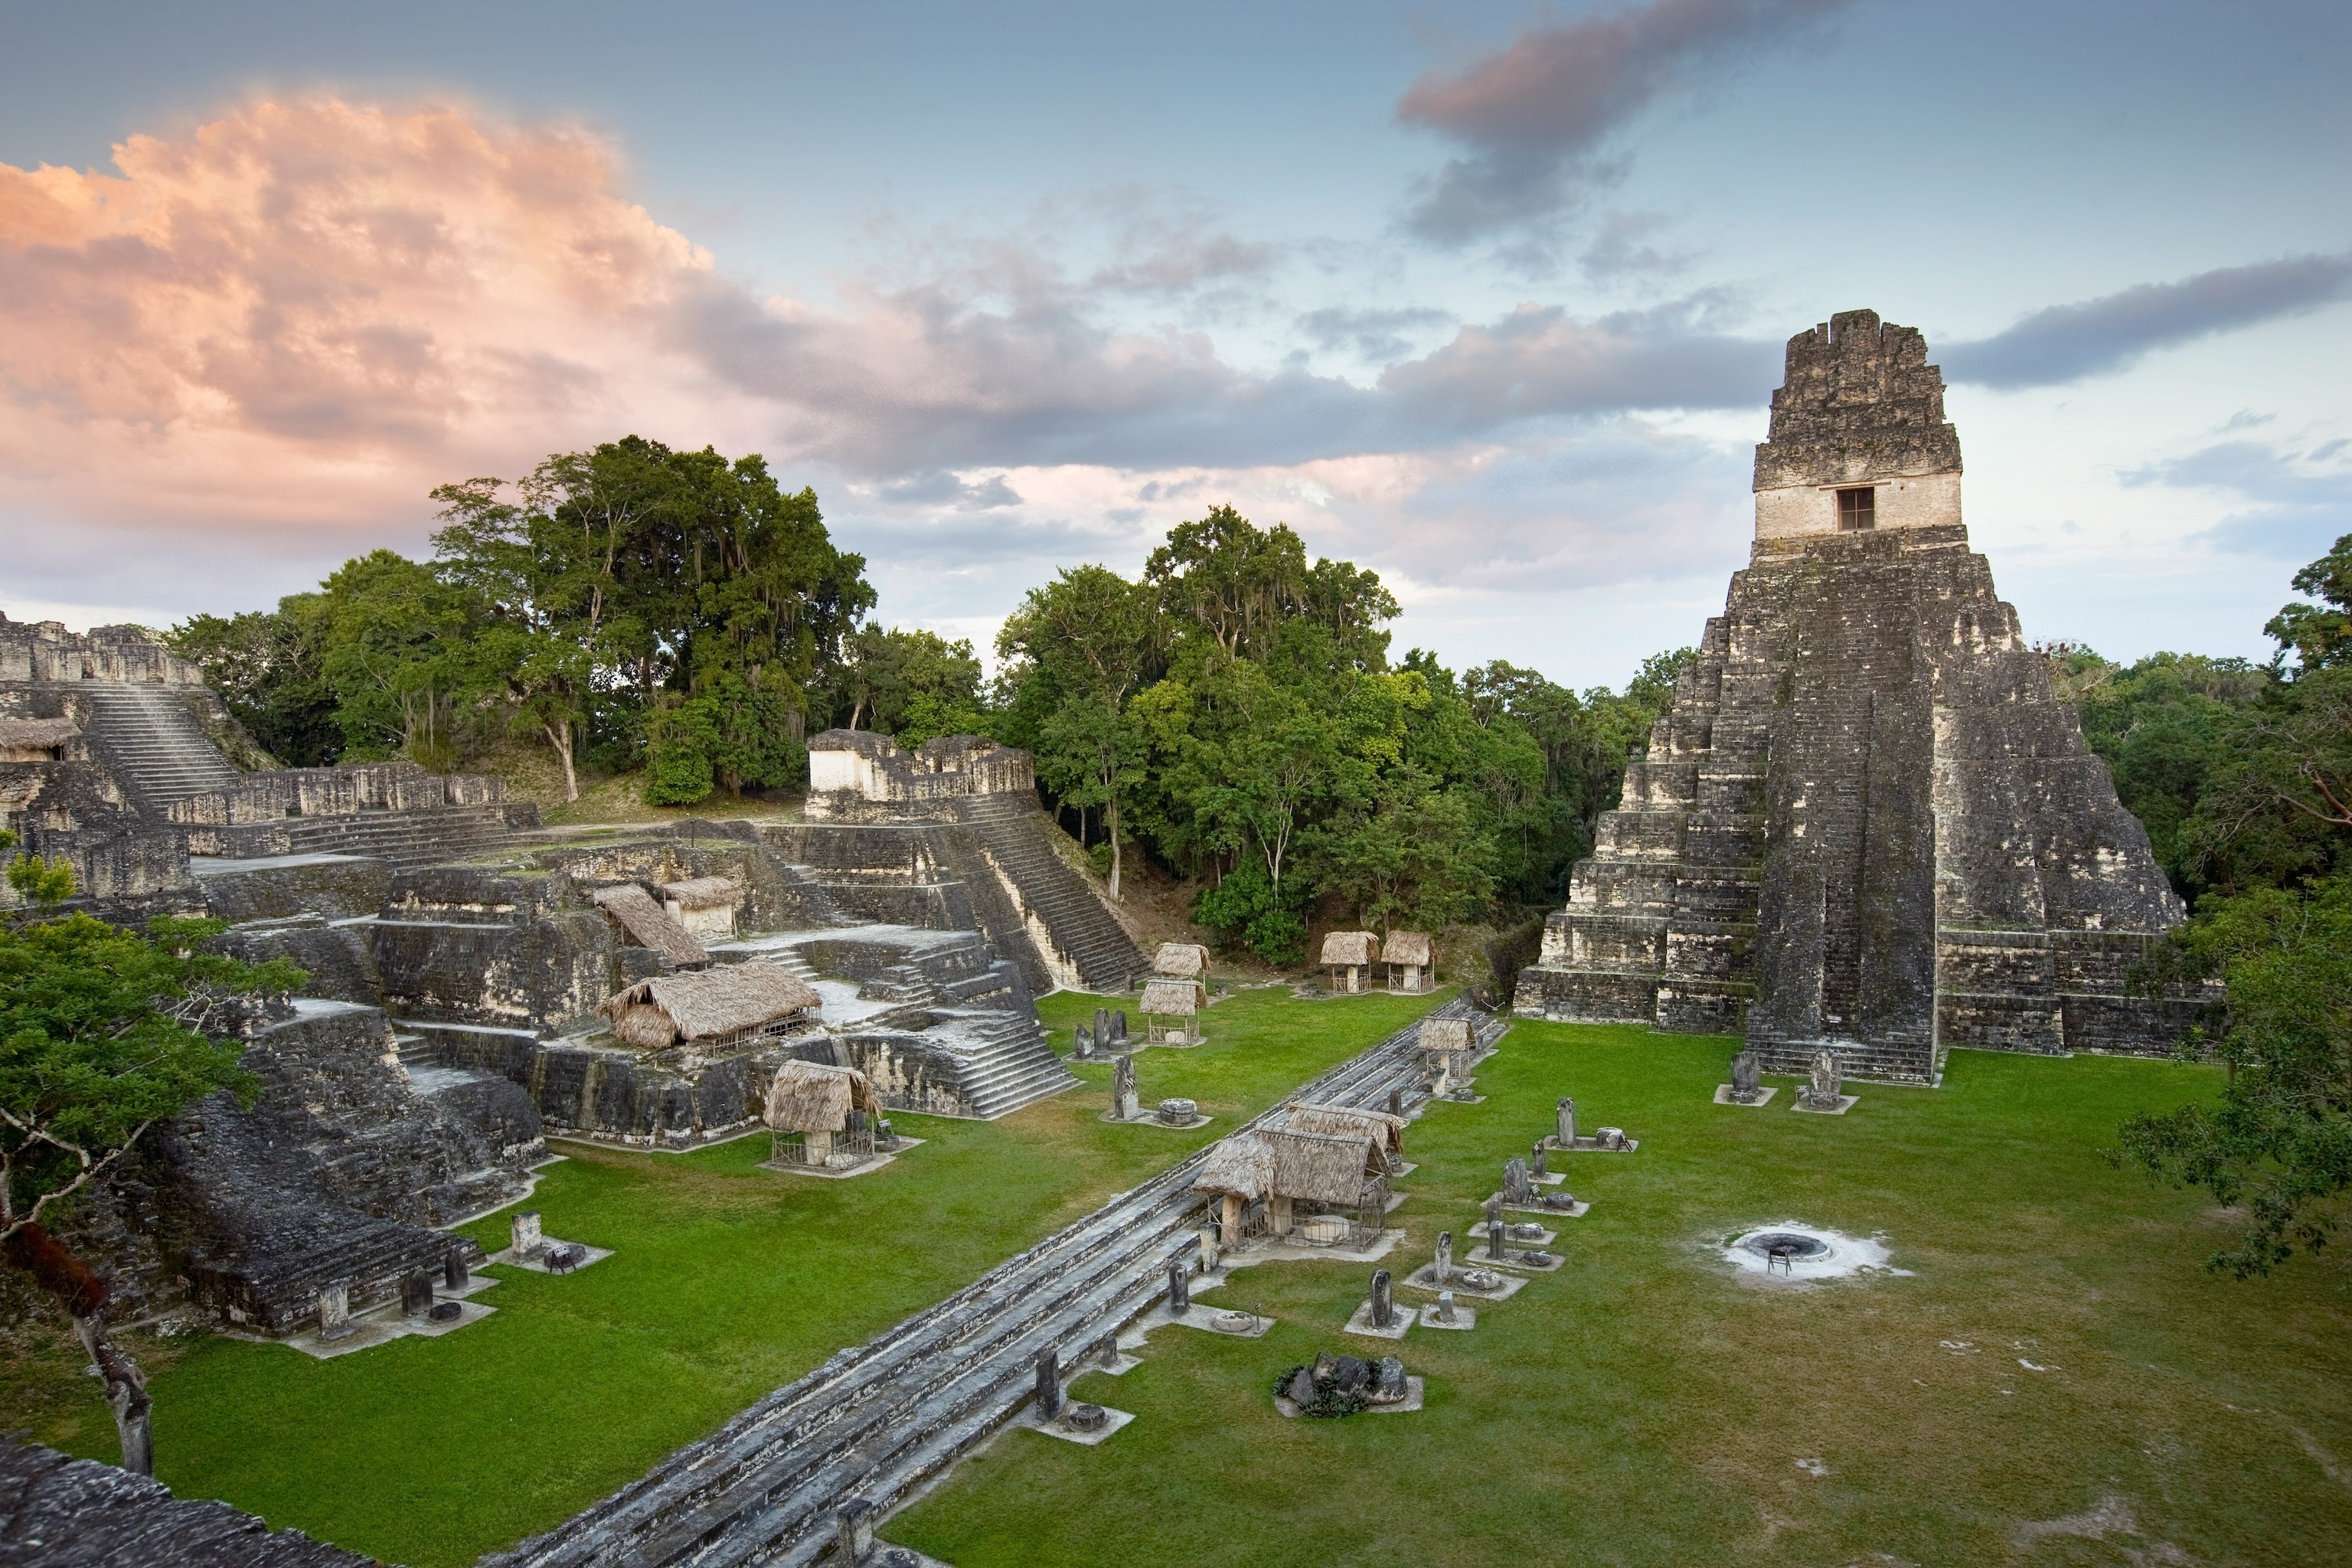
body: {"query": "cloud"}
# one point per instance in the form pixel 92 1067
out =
pixel 2300 506
pixel 1376 335
pixel 2067 342
pixel 1537 120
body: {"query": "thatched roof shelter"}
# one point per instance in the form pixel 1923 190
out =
pixel 812 1097
pixel 648 924
pixel 1323 1170
pixel 715 1005
pixel 1350 948
pixel 1406 947
pixel 1173 998
pixel 703 892
pixel 1241 1167
pixel 1181 959
pixel 1384 1132
pixel 1445 1034
pixel 36 734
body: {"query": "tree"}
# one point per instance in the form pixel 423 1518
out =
pixel 2280 1138
pixel 398 654
pixel 267 666
pixel 913 685
pixel 2320 635
pixel 103 1033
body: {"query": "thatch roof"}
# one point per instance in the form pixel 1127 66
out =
pixel 703 892
pixel 1349 1121
pixel 1444 1034
pixel 37 731
pixel 648 924
pixel 811 1097
pixel 1324 1169
pixel 1180 998
pixel 715 1002
pixel 1349 947
pixel 1242 1165
pixel 1406 947
pixel 1181 959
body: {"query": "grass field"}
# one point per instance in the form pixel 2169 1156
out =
pixel 1644 1406
pixel 726 1281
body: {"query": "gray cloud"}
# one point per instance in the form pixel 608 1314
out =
pixel 2066 343
pixel 1536 118
pixel 1377 335
pixel 2297 510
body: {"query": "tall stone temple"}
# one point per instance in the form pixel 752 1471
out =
pixel 1866 824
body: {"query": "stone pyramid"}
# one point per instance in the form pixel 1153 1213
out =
pixel 1866 824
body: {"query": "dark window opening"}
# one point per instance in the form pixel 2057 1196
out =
pixel 1857 509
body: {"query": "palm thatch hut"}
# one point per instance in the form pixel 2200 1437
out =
pixel 1180 961
pixel 643 923
pixel 1171 1011
pixel 1448 1041
pixel 1412 961
pixel 820 1114
pixel 704 906
pixel 1282 1167
pixel 1349 956
pixel 1385 1132
pixel 731 1005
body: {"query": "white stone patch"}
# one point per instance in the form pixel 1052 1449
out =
pixel 1820 1254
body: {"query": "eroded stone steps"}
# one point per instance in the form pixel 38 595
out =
pixel 155 745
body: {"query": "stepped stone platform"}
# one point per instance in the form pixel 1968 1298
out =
pixel 1866 824
pixel 62 1513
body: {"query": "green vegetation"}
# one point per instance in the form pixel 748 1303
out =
pixel 1645 1407
pixel 726 1281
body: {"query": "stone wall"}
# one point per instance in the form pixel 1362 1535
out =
pixel 856 776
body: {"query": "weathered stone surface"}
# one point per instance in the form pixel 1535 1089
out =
pixel 77 1514
pixel 1866 824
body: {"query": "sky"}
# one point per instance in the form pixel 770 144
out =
pixel 1489 298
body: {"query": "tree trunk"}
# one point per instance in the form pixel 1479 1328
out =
pixel 126 1395
pixel 560 737
pixel 1112 815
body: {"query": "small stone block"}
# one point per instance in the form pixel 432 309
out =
pixel 1464 1318
pixel 1845 1103
pixel 1724 1092
pixel 1361 1323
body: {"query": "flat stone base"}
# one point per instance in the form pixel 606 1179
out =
pixel 1399 1319
pixel 1574 1211
pixel 889 1556
pixel 1426 1278
pixel 1057 1427
pixel 1845 1103
pixel 385 1325
pixel 1267 1249
pixel 1513 1261
pixel 1203 1316
pixel 1588 1147
pixel 1464 1317
pixel 1478 1232
pixel 538 1265
pixel 1148 1120
pixel 1410 1403
pixel 1763 1096
pixel 841 1173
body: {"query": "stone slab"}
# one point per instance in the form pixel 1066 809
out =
pixel 1056 1428
pixel 538 1265
pixel 1763 1096
pixel 1414 1389
pixel 1574 1211
pixel 1552 1145
pixel 1399 1319
pixel 1464 1317
pixel 1148 1120
pixel 1203 1316
pixel 1265 1250
pixel 1482 1261
pixel 1845 1103
pixel 467 1313
pixel 1426 1278
pixel 843 1172
pixel 380 1326
pixel 1478 1232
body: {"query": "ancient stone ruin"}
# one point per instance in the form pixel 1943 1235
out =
pixel 1867 825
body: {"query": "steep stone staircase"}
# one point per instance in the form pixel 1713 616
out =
pixel 1087 939
pixel 405 840
pixel 153 743
pixel 974 1005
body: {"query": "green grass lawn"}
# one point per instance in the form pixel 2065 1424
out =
pixel 726 1281
pixel 1645 1405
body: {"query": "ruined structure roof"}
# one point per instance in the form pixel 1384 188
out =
pixel 1242 1165
pixel 1351 947
pixel 1322 1169
pixel 1180 960
pixel 1860 403
pixel 1348 1121
pixel 37 731
pixel 648 924
pixel 1181 998
pixel 68 1513
pixel 1406 947
pixel 812 1097
pixel 1444 1035
pixel 718 1001
pixel 703 892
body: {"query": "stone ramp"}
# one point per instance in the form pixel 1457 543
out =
pixel 885 1421
pixel 155 747
pixel 1088 946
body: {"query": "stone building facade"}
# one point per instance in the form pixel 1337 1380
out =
pixel 1866 824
